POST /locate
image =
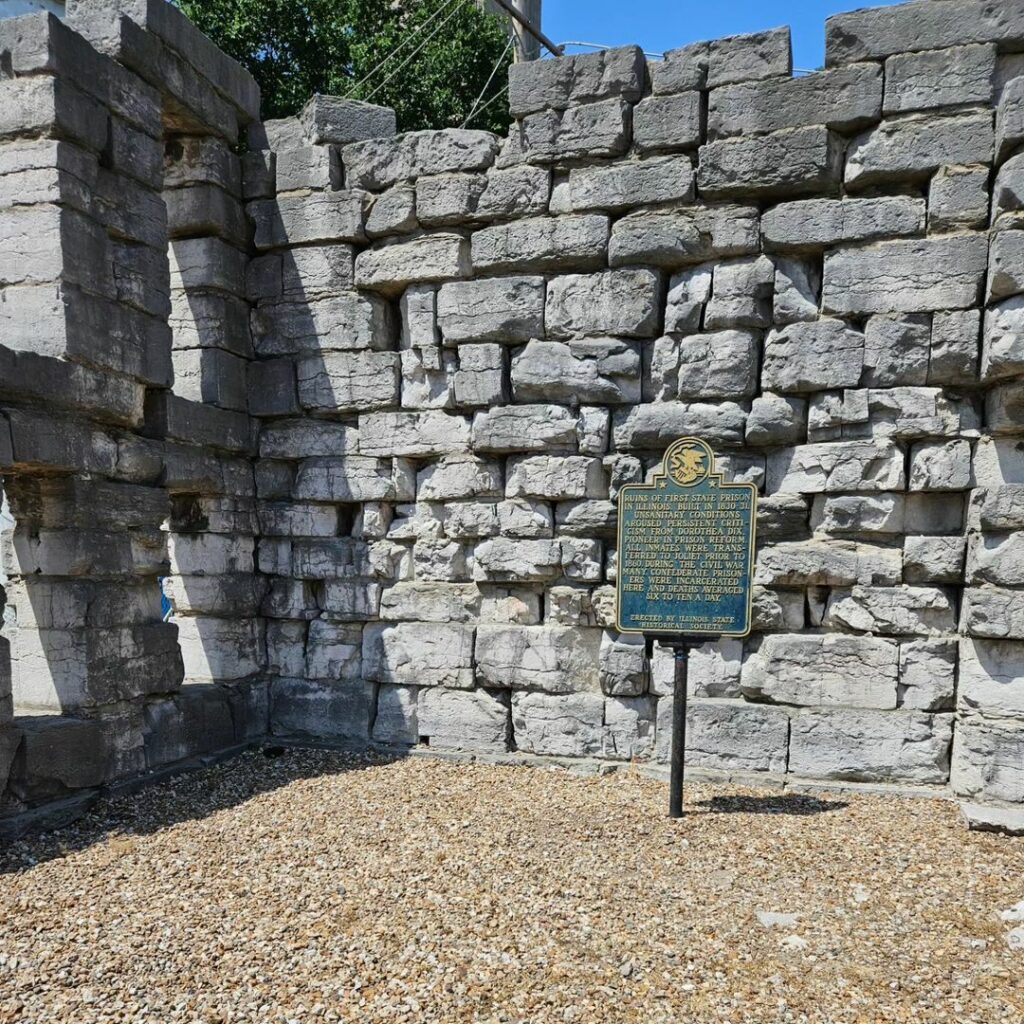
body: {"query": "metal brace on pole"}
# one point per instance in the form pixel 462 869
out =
pixel 553 48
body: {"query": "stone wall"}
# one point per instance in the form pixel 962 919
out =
pixel 112 480
pixel 460 347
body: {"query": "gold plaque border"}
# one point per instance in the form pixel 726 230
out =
pixel 663 474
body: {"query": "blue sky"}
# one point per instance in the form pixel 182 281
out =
pixel 659 25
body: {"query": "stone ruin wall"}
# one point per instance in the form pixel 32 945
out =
pixel 368 400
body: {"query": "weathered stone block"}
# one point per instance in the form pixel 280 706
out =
pixel 413 434
pixel 622 663
pixel 848 466
pixel 991 679
pixel 786 162
pixel 870 746
pixel 958 197
pixel 348 479
pixel 577 371
pixel 844 99
pixel 934 559
pixel 896 350
pixel 776 420
pixel 831 563
pixel 396 722
pixel 308 167
pixel 524 428
pixel 954 352
pixel 1002 505
pixel 941 466
pixel 813 356
pixel 655 426
pixel 581 78
pixel 555 477
pixel 1005 277
pixel 905 276
pixel 333 119
pixel 1004 409
pixel 56 756
pixel 878 32
pixel 590 130
pixel 321 709
pixel 797 286
pixel 393 212
pixel 481 376
pixel 911 149
pixel 419 654
pixel 660 179
pixel 987 760
pixel 1009 115
pixel 823 670
pixel 728 735
pixel 675 238
pixel 349 381
pixel 892 611
pixel 507 560
pixel 428 379
pixel 392 268
pixel 1002 352
pixel 927 674
pixel 456 720
pixel 668 122
pixel 950 77
pixel 515 192
pixel 560 660
pixel 858 513
pixel 448 199
pixel 570 725
pixel 344 323
pixel 996 558
pixel 719 365
pixel 617 302
pixel 811 223
pixel 459 477
pixel 296 220
pixel 376 164
pixel 508 310
pixel 539 244
pixel 332 651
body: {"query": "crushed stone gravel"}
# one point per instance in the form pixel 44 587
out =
pixel 325 887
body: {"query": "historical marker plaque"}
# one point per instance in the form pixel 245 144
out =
pixel 686 548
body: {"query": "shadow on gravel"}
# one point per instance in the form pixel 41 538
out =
pixel 787 803
pixel 187 796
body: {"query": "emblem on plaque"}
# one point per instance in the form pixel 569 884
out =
pixel 689 461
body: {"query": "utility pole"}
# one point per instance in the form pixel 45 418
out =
pixel 527 46
pixel 524 24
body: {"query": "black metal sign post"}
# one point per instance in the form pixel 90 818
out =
pixel 677 759
pixel 685 567
pixel 675 782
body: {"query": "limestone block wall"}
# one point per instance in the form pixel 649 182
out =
pixel 466 345
pixel 112 479
pixel 365 402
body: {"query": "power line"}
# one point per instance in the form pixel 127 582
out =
pixel 497 96
pixel 401 46
pixel 423 43
pixel 601 46
pixel 483 91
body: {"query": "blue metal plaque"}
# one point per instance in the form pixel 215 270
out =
pixel 686 548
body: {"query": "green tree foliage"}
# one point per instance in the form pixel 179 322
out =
pixel 295 48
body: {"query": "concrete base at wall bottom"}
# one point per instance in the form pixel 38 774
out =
pixel 993 818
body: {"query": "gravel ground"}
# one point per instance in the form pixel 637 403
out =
pixel 319 887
